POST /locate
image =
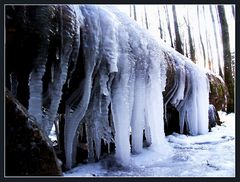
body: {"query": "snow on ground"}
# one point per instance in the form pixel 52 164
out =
pixel 209 155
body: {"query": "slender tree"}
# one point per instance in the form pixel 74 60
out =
pixel 168 25
pixel 208 45
pixel 160 25
pixel 228 76
pixel 216 42
pixel 200 36
pixel 178 41
pixel 190 40
pixel 134 12
pixel 146 19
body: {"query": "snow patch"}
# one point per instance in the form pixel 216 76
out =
pixel 209 155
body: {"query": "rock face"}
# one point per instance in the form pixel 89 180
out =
pixel 218 92
pixel 28 151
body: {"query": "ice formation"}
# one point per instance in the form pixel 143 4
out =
pixel 123 75
pixel 132 77
pixel 189 94
pixel 35 78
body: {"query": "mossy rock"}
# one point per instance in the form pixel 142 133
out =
pixel 218 91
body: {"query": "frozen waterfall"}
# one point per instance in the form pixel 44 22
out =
pixel 133 76
pixel 100 68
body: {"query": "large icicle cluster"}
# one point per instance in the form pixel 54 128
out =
pixel 43 23
pixel 129 73
pixel 66 29
pixel 189 93
pixel 112 74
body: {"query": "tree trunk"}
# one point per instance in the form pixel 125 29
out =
pixel 160 25
pixel 134 12
pixel 191 43
pixel 208 45
pixel 168 26
pixel 178 41
pixel 200 35
pixel 216 42
pixel 227 59
pixel 146 19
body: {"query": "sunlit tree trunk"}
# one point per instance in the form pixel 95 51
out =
pixel 210 57
pixel 190 39
pixel 168 26
pixel 178 42
pixel 216 42
pixel 200 36
pixel 228 76
pixel 208 45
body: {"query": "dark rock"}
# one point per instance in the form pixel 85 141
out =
pixel 28 151
pixel 213 117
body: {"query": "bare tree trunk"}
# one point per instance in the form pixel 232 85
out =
pixel 208 45
pixel 160 25
pixel 216 42
pixel 146 19
pixel 168 25
pixel 134 12
pixel 178 41
pixel 210 57
pixel 200 35
pixel 191 43
pixel 228 76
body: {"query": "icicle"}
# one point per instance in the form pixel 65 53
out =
pixel 152 106
pixel 138 112
pixel 179 94
pixel 79 106
pixel 147 133
pixel 194 103
pixel 120 106
pixel 203 101
pixel 70 42
pixel 35 87
pixel 42 26
pixel 89 130
pixel 154 99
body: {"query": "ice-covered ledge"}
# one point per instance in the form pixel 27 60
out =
pixel 98 67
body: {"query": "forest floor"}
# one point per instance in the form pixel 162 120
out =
pixel 209 155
